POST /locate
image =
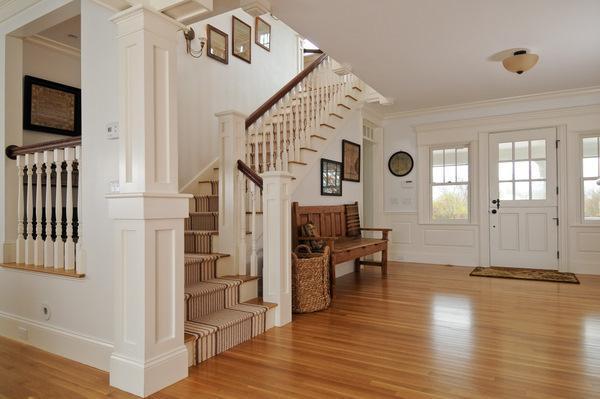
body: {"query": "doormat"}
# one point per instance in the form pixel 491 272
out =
pixel 525 274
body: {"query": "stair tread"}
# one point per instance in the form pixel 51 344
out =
pixel 204 213
pixel 257 212
pixel 308 149
pixel 188 337
pixel 327 125
pixel 202 232
pixel 317 136
pixel 344 105
pixel 240 277
pixel 336 115
pixel 199 256
pixel 208 181
pixel 210 286
pixel 206 196
pixel 261 302
pixel 222 318
pixel 351 97
pixel 298 162
pixel 356 88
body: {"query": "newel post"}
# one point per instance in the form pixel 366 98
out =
pixel 148 212
pixel 232 141
pixel 277 242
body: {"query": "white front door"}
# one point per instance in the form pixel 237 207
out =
pixel 523 199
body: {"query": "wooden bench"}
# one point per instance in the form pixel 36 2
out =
pixel 339 226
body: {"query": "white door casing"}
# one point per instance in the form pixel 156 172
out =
pixel 523 202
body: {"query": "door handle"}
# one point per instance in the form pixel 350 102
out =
pixel 494 211
pixel 497 203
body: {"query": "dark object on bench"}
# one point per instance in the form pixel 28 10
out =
pixel 339 226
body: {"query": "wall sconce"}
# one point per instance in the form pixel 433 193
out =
pixel 190 35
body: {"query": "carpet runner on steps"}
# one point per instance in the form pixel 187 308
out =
pixel 215 318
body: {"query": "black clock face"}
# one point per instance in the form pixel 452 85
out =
pixel 401 163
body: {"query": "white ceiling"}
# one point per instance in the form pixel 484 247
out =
pixel 434 53
pixel 67 32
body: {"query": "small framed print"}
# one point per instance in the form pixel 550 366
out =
pixel 241 40
pixel 217 44
pixel 331 177
pixel 262 34
pixel 51 107
pixel 351 161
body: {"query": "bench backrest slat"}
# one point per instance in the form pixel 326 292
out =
pixel 330 220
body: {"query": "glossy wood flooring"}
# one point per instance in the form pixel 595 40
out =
pixel 424 332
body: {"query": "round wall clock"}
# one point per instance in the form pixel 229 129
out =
pixel 400 164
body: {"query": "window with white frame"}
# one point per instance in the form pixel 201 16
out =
pixel 591 178
pixel 450 184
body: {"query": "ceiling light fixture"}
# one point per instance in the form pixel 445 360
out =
pixel 521 61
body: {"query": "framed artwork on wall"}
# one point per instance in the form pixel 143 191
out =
pixel 351 161
pixel 51 107
pixel 331 177
pixel 401 163
pixel 241 40
pixel 262 34
pixel 217 43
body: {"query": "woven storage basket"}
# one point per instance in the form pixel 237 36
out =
pixel 310 280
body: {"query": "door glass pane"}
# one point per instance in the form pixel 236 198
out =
pixel 538 190
pixel 538 149
pixel 591 197
pixel 450 202
pixel 522 190
pixel 438 174
pixel 538 169
pixel 522 150
pixel 505 171
pixel 590 147
pixel 590 167
pixel 505 190
pixel 522 170
pixel 505 152
pixel 438 157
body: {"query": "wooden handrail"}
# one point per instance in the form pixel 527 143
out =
pixel 283 91
pixel 12 150
pixel 249 173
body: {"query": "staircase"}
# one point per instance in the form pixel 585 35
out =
pixel 221 311
pixel 286 135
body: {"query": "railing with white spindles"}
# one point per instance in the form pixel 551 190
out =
pixel 48 213
pixel 279 129
pixel 250 190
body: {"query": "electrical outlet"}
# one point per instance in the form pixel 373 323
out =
pixel 112 130
pixel 45 311
pixel 23 333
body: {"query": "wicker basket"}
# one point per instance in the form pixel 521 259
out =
pixel 310 280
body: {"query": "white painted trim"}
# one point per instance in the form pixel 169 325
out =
pixel 193 183
pixel 70 344
pixel 54 45
pixel 509 118
pixel 9 253
pixel 484 197
pixel 495 102
pixel 563 198
pixel 12 7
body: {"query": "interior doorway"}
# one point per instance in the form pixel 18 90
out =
pixel 368 178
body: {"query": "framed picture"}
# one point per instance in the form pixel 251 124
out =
pixel 217 43
pixel 51 107
pixel 351 161
pixel 241 40
pixel 262 34
pixel 401 163
pixel 331 177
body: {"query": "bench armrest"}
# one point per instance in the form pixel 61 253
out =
pixel 384 231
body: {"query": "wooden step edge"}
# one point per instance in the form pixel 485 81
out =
pixel 257 212
pixel 336 115
pixel 218 254
pixel 205 196
pixel 188 338
pixel 351 97
pixel 357 88
pixel 318 137
pixel 243 278
pixel 344 106
pixel 208 181
pixel 298 162
pixel 204 232
pixel 259 301
pixel 205 213
pixel 308 149
pixel 327 125
pixel 40 269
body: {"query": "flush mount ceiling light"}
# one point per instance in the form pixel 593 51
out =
pixel 521 61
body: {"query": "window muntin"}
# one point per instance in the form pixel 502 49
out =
pixel 450 184
pixel 590 167
pixel 522 170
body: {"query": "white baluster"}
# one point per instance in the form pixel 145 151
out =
pixel 253 254
pixel 48 244
pixel 264 149
pixel 59 246
pixel 20 217
pixel 271 131
pixel 278 142
pixel 69 244
pixel 29 242
pixel 242 232
pixel 256 147
pixel 79 266
pixel 38 246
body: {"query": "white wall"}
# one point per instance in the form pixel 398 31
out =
pixel 308 191
pixel 46 63
pixel 81 323
pixel 207 86
pixel 414 240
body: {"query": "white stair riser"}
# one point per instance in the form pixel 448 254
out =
pixel 248 290
pixel 189 345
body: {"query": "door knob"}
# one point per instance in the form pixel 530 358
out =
pixel 494 211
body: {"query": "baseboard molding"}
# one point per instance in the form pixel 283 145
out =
pixel 9 252
pixel 584 268
pixel 344 268
pixel 72 345
pixel 433 258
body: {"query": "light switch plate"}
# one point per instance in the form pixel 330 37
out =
pixel 112 130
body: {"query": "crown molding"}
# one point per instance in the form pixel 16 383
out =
pixel 54 45
pixel 9 8
pixel 495 102
pixel 509 118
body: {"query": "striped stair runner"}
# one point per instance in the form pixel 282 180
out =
pixel 215 318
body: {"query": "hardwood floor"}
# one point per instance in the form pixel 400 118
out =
pixel 424 332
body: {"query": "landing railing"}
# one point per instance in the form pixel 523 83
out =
pixel 49 222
